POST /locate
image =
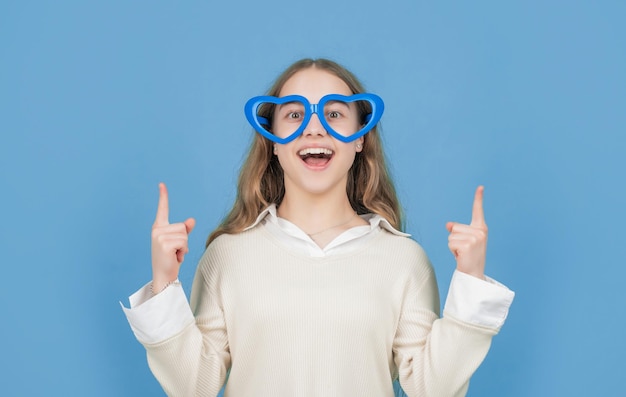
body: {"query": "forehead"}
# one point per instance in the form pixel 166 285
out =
pixel 313 84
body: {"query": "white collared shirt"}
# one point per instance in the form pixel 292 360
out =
pixel 352 238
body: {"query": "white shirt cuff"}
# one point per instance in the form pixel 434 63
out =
pixel 154 319
pixel 481 302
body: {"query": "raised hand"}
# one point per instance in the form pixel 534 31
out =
pixel 468 243
pixel 169 244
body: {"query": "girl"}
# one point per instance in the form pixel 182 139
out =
pixel 308 287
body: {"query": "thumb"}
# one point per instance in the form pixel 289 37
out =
pixel 449 226
pixel 190 224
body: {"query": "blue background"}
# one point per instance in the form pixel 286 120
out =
pixel 99 101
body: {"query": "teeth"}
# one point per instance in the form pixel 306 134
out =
pixel 315 150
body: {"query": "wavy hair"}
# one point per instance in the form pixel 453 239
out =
pixel 370 188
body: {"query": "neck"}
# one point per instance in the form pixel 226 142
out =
pixel 317 215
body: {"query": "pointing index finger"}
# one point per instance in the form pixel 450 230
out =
pixel 478 215
pixel 162 215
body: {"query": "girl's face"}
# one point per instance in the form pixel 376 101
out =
pixel 315 162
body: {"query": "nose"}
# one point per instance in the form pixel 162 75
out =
pixel 314 127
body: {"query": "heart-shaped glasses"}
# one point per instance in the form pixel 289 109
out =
pixel 283 119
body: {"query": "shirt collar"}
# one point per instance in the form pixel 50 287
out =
pixel 374 220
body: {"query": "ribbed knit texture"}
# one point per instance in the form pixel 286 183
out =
pixel 287 324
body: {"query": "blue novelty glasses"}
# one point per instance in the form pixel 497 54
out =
pixel 282 120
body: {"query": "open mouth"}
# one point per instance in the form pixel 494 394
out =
pixel 316 157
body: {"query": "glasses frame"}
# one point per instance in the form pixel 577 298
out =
pixel 257 122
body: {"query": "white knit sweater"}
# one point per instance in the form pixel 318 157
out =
pixel 287 324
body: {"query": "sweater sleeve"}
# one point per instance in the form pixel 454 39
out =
pixel 437 356
pixel 194 362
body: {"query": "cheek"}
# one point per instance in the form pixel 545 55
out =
pixel 348 154
pixel 282 153
pixel 285 128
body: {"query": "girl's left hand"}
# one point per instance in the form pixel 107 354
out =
pixel 468 243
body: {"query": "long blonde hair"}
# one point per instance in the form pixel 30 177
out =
pixel 369 188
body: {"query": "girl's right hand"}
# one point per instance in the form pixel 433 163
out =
pixel 169 244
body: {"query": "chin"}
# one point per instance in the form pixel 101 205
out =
pixel 320 189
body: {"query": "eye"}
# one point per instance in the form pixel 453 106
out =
pixel 333 114
pixel 294 115
pixel 335 110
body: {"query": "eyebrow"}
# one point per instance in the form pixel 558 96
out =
pixel 290 103
pixel 338 102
